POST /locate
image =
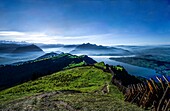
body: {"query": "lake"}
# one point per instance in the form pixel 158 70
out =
pixel 133 70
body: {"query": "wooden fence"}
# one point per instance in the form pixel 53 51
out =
pixel 148 95
pixel 155 95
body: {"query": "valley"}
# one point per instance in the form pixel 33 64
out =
pixel 84 55
pixel 38 80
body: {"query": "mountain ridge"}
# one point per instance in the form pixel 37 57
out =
pixel 78 88
pixel 27 48
pixel 94 50
pixel 24 71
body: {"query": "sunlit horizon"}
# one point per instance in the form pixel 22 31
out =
pixel 37 37
pixel 117 22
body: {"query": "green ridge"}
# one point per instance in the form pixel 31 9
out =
pixel 86 79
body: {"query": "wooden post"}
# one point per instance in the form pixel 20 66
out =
pixel 154 84
pixel 161 82
pixel 162 99
pixel 166 81
pixel 150 86
pixel 167 106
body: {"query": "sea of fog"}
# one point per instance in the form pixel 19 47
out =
pixel 134 70
pixel 12 58
pixel 65 50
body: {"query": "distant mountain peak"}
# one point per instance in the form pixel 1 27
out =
pixel 88 44
pixel 13 42
pixel 93 49
pixel 27 48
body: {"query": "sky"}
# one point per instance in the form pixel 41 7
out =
pixel 105 22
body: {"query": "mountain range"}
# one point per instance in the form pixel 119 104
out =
pixel 99 50
pixel 55 81
pixel 27 48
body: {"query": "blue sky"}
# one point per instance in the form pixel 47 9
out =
pixel 107 22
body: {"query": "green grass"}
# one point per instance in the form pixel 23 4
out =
pixel 67 54
pixel 100 64
pixel 75 65
pixel 86 79
pixel 118 68
pixel 97 101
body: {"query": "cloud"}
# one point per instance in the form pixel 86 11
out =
pixel 102 39
pixel 11 33
pixel 36 37
pixel 21 36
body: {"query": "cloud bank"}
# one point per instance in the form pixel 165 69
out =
pixel 101 39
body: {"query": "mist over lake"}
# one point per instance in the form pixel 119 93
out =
pixel 84 55
pixel 101 53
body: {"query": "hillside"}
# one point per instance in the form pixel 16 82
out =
pixel 97 50
pixel 17 73
pixel 71 89
pixel 8 48
pixel 28 48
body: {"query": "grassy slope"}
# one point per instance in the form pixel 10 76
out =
pixel 11 75
pixel 88 80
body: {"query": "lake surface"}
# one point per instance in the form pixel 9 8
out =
pixel 133 70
